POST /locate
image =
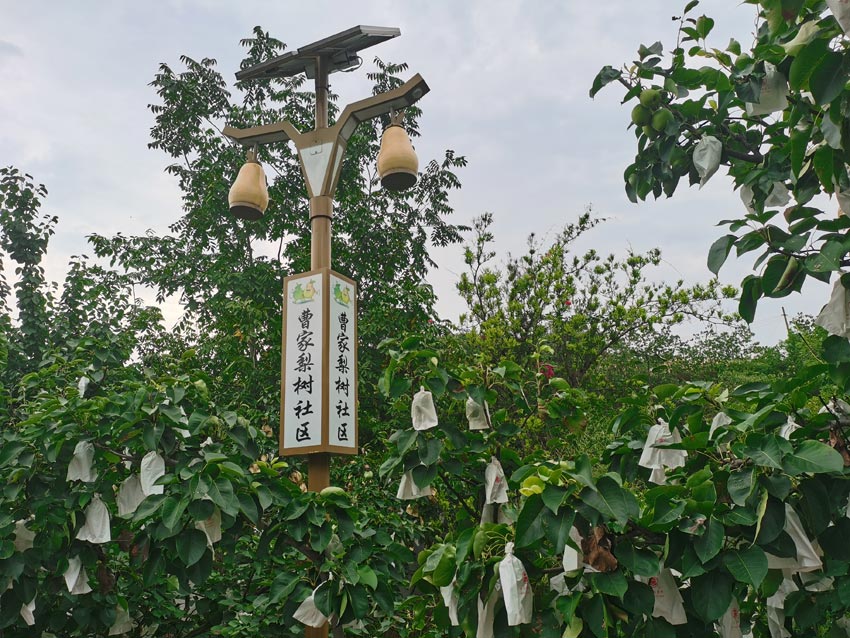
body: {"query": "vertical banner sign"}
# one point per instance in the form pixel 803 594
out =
pixel 343 363
pixel 319 367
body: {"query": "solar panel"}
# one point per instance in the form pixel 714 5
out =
pixel 340 50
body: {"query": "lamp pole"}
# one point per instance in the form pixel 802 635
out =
pixel 320 153
pixel 321 209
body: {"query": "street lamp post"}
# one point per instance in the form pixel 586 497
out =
pixel 320 153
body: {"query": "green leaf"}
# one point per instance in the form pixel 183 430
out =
pixel 404 439
pixel 557 528
pixel 806 61
pixel 828 78
pixel 711 594
pixel 191 545
pixel 719 251
pixel 359 600
pixel 638 561
pixel 836 349
pixel 152 433
pixel 595 617
pixel 747 566
pixel 823 163
pixel 751 292
pixel 583 472
pixel 320 537
pixel 771 520
pixel 172 510
pixel 611 500
pixel 607 75
pixel 611 583
pixel 833 540
pixel 148 506
pixel 813 457
pixel 10 451
pixel 440 567
pixel 429 450
pixel 529 524
pixel 799 143
pixel 553 496
pixel 710 543
pixel 221 493
pixel 200 571
pixel 740 485
pixel 424 475
pixel 282 586
pixel 325 597
pixel 153 567
pixel 639 599
pixel 367 576
pixel 398 387
pixel 766 449
pixel 814 505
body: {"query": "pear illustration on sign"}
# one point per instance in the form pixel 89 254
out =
pixel 342 294
pixel 304 294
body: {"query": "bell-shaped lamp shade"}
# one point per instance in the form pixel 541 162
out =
pixel 397 161
pixel 249 195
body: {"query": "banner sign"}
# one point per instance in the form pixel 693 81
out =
pixel 319 371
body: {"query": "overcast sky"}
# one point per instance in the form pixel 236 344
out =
pixel 509 90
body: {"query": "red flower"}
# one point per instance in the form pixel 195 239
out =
pixel 547 370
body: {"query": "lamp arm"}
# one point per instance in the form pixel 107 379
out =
pixel 381 104
pixel 282 131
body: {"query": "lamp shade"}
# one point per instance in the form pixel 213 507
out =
pixel 249 195
pixel 397 161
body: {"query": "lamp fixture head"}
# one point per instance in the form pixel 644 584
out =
pixel 249 195
pixel 398 165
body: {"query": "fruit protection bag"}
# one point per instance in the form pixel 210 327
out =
pixel 211 527
pixel 573 558
pixel 96 527
pixel 788 429
pixel 730 622
pixel 130 496
pixel 487 613
pixel 657 459
pixel 776 607
pixel 477 415
pixel 720 420
pixel 493 513
pixel 422 410
pixel 123 623
pixel 409 490
pixel 153 468
pixel 834 317
pixel 841 10
pixel 778 196
pixel 309 614
pixel 495 483
pixel 668 600
pixel 76 579
pixel 80 467
pixel 515 588
pixel 774 89
pixel 450 599
pixel 808 558
pixel 707 157
pixel 23 536
pixel 28 612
